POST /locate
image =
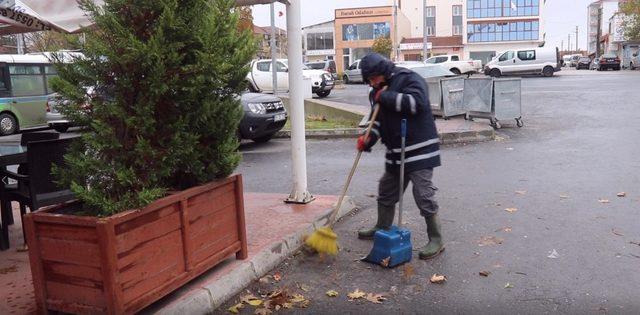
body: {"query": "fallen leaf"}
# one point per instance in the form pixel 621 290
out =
pixel 511 210
pixel 304 304
pixel 508 285
pixel 297 298
pixel 255 302
pixel 622 194
pixel 485 273
pixel 236 308
pixel 303 287
pixel 375 298
pixel 603 200
pixel 4 271
pixel 490 240
pixel 262 311
pixel 357 294
pixel 332 293
pixel 616 233
pixel 277 277
pixel 521 192
pixel 287 305
pixel 247 298
pixel 408 271
pixel 436 278
pixel 563 196
pixel 385 262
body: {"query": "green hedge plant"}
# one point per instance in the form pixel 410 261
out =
pixel 161 79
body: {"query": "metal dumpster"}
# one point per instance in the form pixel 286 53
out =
pixel 507 101
pixel 452 97
pixel 478 97
pixel 435 95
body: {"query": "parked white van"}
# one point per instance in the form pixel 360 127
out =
pixel 542 61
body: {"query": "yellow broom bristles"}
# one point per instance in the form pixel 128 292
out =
pixel 323 240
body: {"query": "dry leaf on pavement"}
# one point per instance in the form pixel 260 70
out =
pixel 616 232
pixel 255 302
pixel 622 194
pixel 262 311
pixel 490 240
pixel 511 210
pixel 485 273
pixel 357 294
pixel 297 298
pixel 385 262
pixel 436 278
pixel 408 271
pixel 236 308
pixel 521 192
pixel 375 298
pixel 332 293
pixel 563 196
pixel 603 200
pixel 508 285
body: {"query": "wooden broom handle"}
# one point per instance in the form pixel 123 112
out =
pixel 334 214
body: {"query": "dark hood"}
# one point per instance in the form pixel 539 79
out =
pixel 373 64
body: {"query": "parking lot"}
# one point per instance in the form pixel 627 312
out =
pixel 561 171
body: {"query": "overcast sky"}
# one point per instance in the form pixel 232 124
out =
pixel 561 16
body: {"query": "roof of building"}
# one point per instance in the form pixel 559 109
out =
pixel 440 41
pixel 316 24
pixel 266 30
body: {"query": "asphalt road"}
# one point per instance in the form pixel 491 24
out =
pixel 565 250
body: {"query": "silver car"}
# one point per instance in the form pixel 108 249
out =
pixel 353 73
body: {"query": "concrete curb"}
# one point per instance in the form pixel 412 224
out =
pixel 211 296
pixel 445 137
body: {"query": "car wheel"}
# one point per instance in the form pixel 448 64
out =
pixel 547 71
pixel 263 139
pixel 8 124
pixel 456 71
pixel 345 79
pixel 495 73
pixel 324 93
pixel 61 128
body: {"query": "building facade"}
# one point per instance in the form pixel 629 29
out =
pixel 493 26
pixel 444 23
pixel 600 14
pixel 319 41
pixel 356 29
pixel 618 43
pixel 263 33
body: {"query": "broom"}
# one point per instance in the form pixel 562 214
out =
pixel 324 240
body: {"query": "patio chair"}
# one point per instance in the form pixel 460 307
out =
pixel 25 138
pixel 37 188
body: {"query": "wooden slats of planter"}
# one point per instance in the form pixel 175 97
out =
pixel 125 262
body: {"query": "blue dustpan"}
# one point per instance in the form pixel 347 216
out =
pixel 392 247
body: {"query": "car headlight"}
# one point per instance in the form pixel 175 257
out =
pixel 257 108
pixel 326 76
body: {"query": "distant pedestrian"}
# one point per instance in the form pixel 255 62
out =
pixel 405 97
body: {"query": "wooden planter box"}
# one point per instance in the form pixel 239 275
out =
pixel 125 262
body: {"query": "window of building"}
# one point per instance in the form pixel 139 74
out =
pixel 457 10
pixel 319 41
pixel 502 8
pixel 502 31
pixel 367 31
pixel 527 55
pixel 431 11
pixel 430 30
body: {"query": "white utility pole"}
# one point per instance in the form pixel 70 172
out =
pixel 299 193
pixel 395 31
pixel 425 49
pixel 577 49
pixel 272 43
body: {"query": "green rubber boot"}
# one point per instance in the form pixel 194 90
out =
pixel 435 245
pixel 385 219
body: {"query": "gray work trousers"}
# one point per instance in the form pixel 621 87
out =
pixel 424 190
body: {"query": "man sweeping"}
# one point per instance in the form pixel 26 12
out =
pixel 405 97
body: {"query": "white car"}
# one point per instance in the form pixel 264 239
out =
pixel 542 61
pixel 353 73
pixel 456 65
pixel 260 77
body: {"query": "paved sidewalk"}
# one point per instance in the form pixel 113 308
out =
pixel 274 230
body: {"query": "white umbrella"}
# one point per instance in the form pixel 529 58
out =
pixel 23 16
